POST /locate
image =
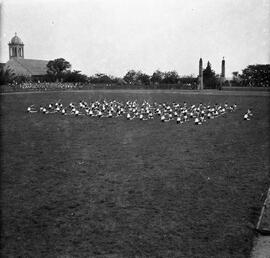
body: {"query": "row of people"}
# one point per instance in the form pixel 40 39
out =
pixel 43 85
pixel 134 110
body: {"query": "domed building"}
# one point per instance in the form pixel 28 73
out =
pixel 36 69
pixel 16 47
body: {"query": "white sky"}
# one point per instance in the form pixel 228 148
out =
pixel 113 36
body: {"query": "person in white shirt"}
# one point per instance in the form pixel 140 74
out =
pixel 249 112
pixel 246 116
pixel 162 118
pixel 32 109
pixel 197 121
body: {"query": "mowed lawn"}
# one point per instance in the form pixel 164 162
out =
pixel 89 187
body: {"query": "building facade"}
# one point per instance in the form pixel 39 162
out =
pixel 32 68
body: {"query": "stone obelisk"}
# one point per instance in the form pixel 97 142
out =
pixel 222 75
pixel 223 68
pixel 200 85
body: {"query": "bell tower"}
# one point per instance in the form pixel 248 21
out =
pixel 16 47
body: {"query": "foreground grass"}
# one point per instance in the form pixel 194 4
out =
pixel 115 188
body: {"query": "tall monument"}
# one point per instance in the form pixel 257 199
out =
pixel 222 75
pixel 200 85
pixel 223 68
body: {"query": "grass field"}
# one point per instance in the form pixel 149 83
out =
pixel 86 187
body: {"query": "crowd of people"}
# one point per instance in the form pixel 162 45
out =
pixel 165 112
pixel 43 86
pixel 47 86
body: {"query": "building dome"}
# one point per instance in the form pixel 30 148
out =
pixel 16 40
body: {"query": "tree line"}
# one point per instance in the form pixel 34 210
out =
pixel 253 76
pixel 59 70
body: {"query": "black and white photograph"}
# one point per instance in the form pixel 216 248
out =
pixel 135 128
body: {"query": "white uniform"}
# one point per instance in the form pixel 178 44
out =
pixel 246 117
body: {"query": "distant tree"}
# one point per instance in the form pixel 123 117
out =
pixel 6 75
pixel 57 68
pixel 102 78
pixel 130 77
pixel 171 77
pixel 74 76
pixel 137 77
pixel 189 80
pixel 236 80
pixel 142 78
pixel 157 77
pixel 210 80
pixel 120 81
pixel 256 75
